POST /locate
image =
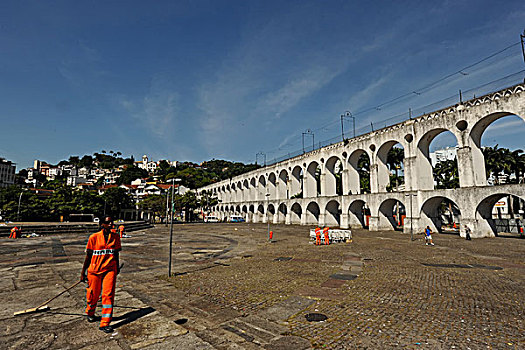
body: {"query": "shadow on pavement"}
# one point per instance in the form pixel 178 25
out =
pixel 131 316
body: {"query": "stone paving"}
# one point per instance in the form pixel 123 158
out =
pixel 232 289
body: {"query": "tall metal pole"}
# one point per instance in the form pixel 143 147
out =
pixel 342 129
pixel 167 206
pixel 267 216
pixel 411 219
pixel 522 36
pixel 18 212
pixel 171 225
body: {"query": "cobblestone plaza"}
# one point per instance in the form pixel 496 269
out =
pixel 232 289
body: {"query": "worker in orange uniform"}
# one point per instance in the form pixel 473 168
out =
pixel 271 236
pixel 317 236
pixel 326 237
pixel 102 264
pixel 15 232
pixel 121 229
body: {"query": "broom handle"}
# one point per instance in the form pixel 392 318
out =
pixel 56 296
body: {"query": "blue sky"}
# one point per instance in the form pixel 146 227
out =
pixel 196 80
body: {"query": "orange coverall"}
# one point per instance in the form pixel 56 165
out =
pixel 15 231
pixel 326 237
pixel 317 236
pixel 102 274
pixel 121 230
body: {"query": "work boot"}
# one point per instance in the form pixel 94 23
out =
pixel 90 319
pixel 106 329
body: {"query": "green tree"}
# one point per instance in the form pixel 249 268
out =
pixel 446 174
pixel 115 199
pixel 155 203
pixel 131 173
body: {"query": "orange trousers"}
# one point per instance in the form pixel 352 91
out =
pixel 326 238
pixel 106 282
pixel 13 234
pixel 317 238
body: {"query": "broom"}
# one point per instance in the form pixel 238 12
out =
pixel 44 306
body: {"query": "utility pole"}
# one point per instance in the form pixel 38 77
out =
pixel 522 37
pixel 171 225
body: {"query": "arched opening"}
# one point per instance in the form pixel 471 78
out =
pixel 392 215
pixel 297 182
pixel 441 215
pixel 390 172
pixel 500 136
pixel 437 160
pixel 313 180
pixel 260 213
pixel 359 172
pixel 253 189
pixel 272 185
pixel 501 215
pixel 333 214
pixel 359 214
pixel 270 213
pixel 282 188
pixel 245 190
pixel 281 213
pixel 312 213
pixel 262 190
pixel 296 212
pixel 334 179
pixel 238 209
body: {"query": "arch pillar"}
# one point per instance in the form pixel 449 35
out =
pixel 322 180
pixel 471 166
pixel 373 223
pixel 288 219
pixel 322 219
pixel 344 221
pixel 410 180
pixel 374 180
pixel 304 219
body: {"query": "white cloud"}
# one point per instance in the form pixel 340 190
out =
pixel 157 110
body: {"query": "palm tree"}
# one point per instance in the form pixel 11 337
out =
pixel 446 174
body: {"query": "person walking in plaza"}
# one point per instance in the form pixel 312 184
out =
pixel 468 233
pixel 121 229
pixel 428 237
pixel 102 265
pixel 317 236
pixel 15 232
pixel 326 236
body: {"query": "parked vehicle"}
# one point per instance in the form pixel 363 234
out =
pixel 236 218
pixel 211 218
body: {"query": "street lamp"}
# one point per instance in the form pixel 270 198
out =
pixel 347 114
pixel 261 154
pixel 411 215
pixel 267 209
pixel 18 212
pixel 171 223
pixel 309 132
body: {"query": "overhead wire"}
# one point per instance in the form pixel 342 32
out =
pixel 417 92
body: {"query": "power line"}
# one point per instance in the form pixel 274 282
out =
pixel 417 92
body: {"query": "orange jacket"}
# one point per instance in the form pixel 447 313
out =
pixel 103 258
pixel 121 228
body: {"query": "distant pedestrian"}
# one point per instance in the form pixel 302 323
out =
pixel 270 236
pixel 15 232
pixel 326 236
pixel 317 236
pixel 468 232
pixel 428 236
pixel 121 229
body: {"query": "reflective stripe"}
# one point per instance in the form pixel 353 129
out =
pixel 106 315
pixel 107 306
pixel 104 252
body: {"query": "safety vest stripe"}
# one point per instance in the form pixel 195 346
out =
pixel 103 251
pixel 106 315
pixel 107 306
